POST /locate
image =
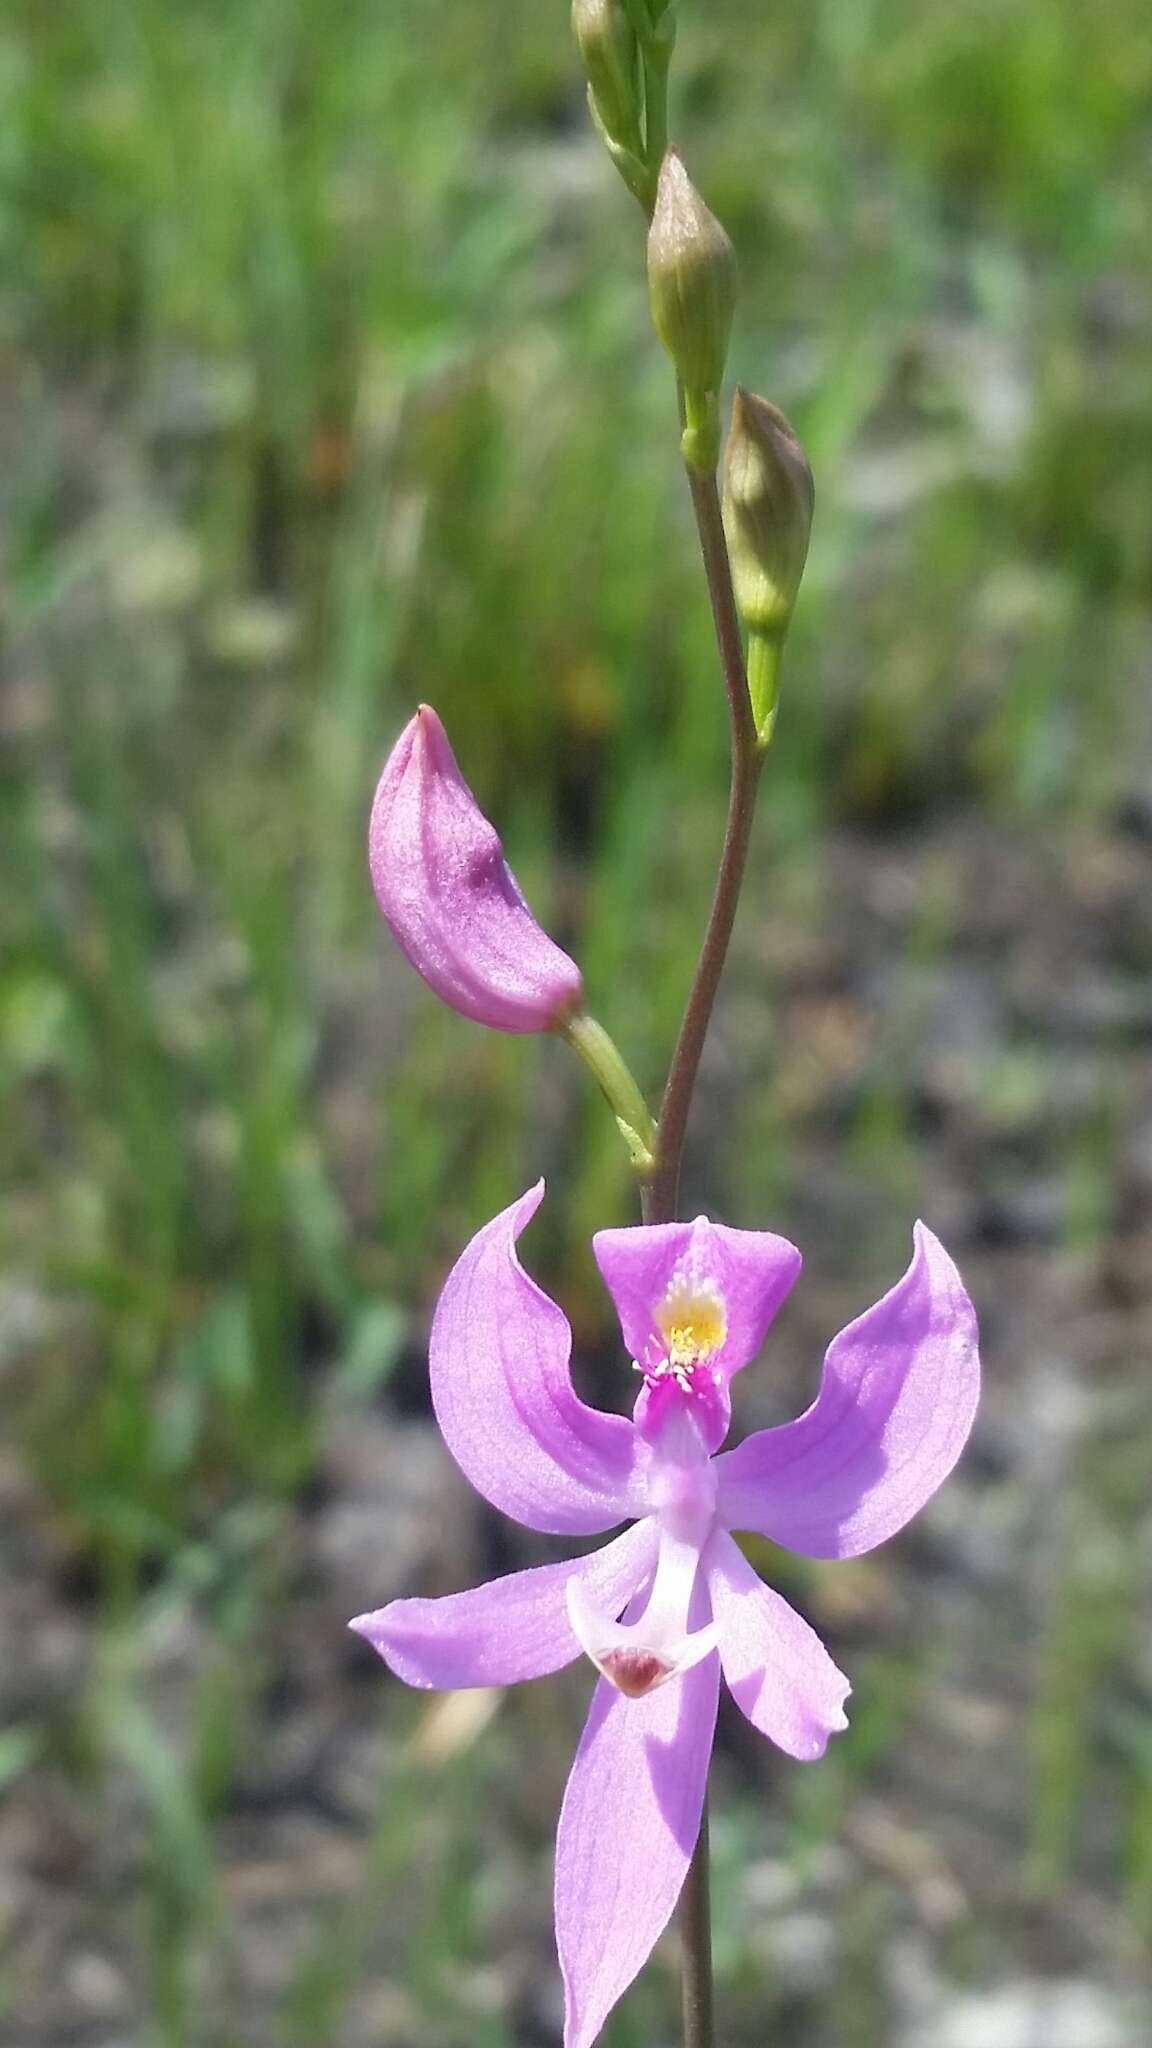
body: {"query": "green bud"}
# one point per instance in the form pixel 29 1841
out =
pixel 607 44
pixel 768 500
pixel 691 283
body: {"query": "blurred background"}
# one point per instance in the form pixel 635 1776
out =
pixel 326 386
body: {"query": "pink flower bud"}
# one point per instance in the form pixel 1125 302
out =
pixel 454 906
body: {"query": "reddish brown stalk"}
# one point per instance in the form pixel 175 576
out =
pixel 658 1196
pixel 659 1192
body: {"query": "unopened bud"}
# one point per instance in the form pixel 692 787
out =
pixel 607 44
pixel 445 889
pixel 768 500
pixel 691 282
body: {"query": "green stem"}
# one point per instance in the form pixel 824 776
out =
pixel 764 651
pixel 618 1084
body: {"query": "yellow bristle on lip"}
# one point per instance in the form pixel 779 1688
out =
pixel 692 1322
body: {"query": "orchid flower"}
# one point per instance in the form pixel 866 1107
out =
pixel 668 1606
pixel 452 902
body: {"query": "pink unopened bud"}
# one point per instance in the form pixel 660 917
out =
pixel 443 884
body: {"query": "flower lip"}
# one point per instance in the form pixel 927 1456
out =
pixel 691 1326
pixel 695 1300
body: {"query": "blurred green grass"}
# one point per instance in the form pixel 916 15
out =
pixel 327 388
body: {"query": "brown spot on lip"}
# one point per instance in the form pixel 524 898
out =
pixel 634 1672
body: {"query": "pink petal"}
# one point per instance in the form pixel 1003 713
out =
pixel 498 1359
pixel 749 1272
pixel 628 1827
pixel 512 1628
pixel 895 1406
pixel 444 887
pixel 776 1667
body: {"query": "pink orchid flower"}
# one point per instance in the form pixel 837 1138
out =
pixel 452 901
pixel 695 1300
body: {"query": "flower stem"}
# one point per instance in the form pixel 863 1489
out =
pixel 696 1944
pixel 659 1197
pixel 606 1062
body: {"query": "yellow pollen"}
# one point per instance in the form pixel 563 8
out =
pixel 692 1323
